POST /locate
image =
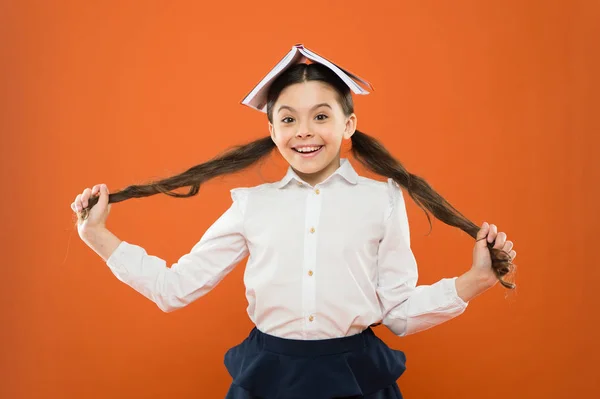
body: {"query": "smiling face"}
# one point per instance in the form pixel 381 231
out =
pixel 308 128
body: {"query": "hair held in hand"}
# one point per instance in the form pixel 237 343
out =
pixel 366 149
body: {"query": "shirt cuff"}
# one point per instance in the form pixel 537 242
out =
pixel 452 294
pixel 117 261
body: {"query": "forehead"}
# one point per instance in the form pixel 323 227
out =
pixel 302 96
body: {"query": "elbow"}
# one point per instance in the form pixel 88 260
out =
pixel 398 326
pixel 424 322
pixel 166 308
pixel 169 305
pixel 169 292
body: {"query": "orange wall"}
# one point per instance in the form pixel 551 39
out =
pixel 494 103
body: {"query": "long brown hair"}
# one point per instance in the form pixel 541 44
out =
pixel 366 149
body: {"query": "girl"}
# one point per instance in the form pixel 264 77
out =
pixel 329 251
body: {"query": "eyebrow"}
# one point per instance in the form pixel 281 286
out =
pixel 315 107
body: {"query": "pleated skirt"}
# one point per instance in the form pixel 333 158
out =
pixel 359 366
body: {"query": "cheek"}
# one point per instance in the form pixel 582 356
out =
pixel 282 141
pixel 283 136
pixel 330 135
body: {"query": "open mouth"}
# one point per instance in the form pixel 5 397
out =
pixel 308 150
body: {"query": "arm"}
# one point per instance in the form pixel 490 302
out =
pixel 471 284
pixel 408 308
pixel 219 250
pixel 102 241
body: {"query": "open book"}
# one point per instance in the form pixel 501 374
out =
pixel 257 98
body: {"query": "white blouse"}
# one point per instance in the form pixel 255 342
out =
pixel 324 261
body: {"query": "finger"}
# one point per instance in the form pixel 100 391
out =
pixel 507 246
pixel 96 189
pixel 483 230
pixel 85 196
pixel 500 240
pixel 103 195
pixel 492 234
pixel 513 254
pixel 78 203
pixel 108 205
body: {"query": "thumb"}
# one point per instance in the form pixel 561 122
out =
pixel 482 233
pixel 103 200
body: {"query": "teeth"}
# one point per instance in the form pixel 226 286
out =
pixel 307 149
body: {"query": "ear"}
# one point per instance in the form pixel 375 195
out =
pixel 350 126
pixel 272 131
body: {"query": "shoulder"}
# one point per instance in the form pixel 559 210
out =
pixel 388 190
pixel 241 194
pixel 370 183
pixel 388 187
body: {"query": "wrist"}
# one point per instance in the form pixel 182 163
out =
pixel 483 280
pixel 102 241
pixel 89 235
pixel 470 284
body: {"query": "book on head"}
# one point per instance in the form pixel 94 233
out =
pixel 257 98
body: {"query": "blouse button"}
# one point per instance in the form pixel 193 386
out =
pixel 312 229
pixel 317 191
pixel 310 272
pixel 311 318
pixel 300 183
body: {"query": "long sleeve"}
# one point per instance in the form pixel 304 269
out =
pixel 408 308
pixel 219 250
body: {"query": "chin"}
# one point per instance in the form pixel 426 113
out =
pixel 307 169
pixel 309 166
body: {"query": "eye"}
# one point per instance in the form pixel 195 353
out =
pixel 322 119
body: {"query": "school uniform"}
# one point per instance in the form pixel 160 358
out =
pixel 325 263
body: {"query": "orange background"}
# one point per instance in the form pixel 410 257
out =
pixel 494 103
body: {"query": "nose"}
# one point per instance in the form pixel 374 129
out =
pixel 303 131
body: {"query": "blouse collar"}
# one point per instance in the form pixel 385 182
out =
pixel 345 170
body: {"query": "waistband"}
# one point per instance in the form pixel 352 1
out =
pixel 299 347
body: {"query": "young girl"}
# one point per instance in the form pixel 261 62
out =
pixel 329 251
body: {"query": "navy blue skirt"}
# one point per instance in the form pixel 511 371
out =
pixel 359 366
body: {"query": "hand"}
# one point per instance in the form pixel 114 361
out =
pixel 97 215
pixel 482 260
